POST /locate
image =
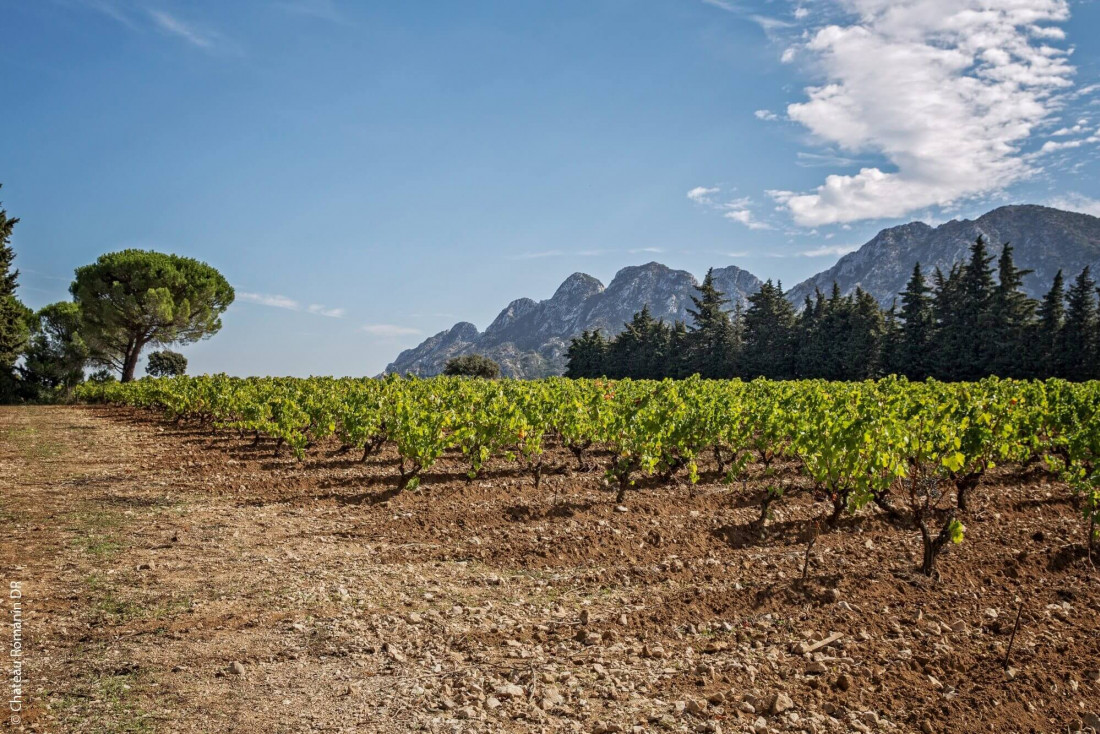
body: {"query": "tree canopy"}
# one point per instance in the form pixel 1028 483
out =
pixel 974 320
pixel 472 365
pixel 134 298
pixel 166 363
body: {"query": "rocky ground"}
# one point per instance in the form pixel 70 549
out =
pixel 180 581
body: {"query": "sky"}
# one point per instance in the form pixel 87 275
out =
pixel 368 173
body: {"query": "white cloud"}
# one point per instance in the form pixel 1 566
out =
pixel 275 300
pixel 766 115
pixel 389 330
pixel 332 313
pixel 702 194
pixel 639 250
pixel 188 32
pixel 736 210
pixel 265 299
pixel 1074 202
pixel 829 250
pixel 949 92
pixel 745 217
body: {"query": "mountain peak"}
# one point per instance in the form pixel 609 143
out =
pixel 1045 239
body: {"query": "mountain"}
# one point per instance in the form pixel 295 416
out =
pixel 1043 240
pixel 529 338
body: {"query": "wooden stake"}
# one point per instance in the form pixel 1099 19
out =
pixel 1012 639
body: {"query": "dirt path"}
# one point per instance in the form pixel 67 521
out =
pixel 177 581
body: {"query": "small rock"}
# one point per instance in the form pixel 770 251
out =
pixel 696 707
pixel 717 698
pixel 236 668
pixel 760 726
pixel 779 703
pixel 509 690
pixel 843 682
pixel 492 702
pixel 870 718
pixel 1091 720
pixel 817 668
pixel 926 727
pixel 146 567
pixel 622 508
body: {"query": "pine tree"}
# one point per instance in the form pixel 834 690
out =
pixel 769 334
pixel 711 346
pixel 1080 329
pixel 1048 339
pixel 14 316
pixel 913 355
pixel 1012 318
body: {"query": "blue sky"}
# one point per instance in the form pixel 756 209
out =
pixel 367 173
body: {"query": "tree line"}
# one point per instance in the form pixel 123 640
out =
pixel 972 321
pixel 121 304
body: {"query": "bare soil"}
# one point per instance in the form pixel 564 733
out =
pixel 178 580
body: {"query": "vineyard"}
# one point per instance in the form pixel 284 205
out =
pixel 916 450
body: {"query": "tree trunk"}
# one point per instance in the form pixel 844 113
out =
pixel 129 366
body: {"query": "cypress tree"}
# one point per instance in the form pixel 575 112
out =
pixel 711 346
pixel 1080 329
pixel 950 335
pixel 14 316
pixel 862 345
pixel 769 332
pixel 587 355
pixel 1049 340
pixel 1012 317
pixel 913 356
pixel 975 315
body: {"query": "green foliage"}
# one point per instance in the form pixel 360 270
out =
pixel 133 298
pixel 966 326
pixel 472 365
pixel 55 357
pixel 14 316
pixel 166 363
pixel 886 442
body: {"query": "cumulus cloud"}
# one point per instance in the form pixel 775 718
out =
pixel 702 194
pixel 389 330
pixel 950 93
pixel 736 210
pixel 274 300
pixel 745 217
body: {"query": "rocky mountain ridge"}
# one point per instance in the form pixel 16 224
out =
pixel 529 338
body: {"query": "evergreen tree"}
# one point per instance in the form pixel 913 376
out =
pixel 913 356
pixel 587 355
pixel 950 335
pixel 53 363
pixel 811 352
pixel 975 315
pixel 1012 317
pixel 1079 343
pixel 14 316
pixel 861 355
pixel 769 334
pixel 892 341
pixel 1048 339
pixel 711 345
pixel 641 351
